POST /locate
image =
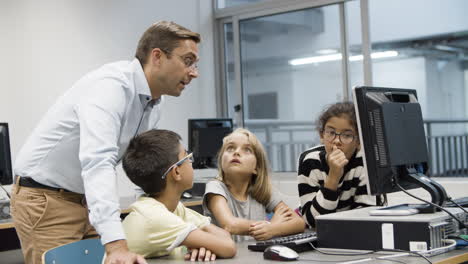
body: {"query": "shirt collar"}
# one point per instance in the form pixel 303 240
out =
pixel 141 84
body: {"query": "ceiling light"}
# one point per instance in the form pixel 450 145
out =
pixel 338 56
pixel 326 51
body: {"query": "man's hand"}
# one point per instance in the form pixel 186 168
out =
pixel 117 253
pixel 201 254
pixel 261 230
pixel 282 214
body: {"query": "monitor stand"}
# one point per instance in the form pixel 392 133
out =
pixel 437 191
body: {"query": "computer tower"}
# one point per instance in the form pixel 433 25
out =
pixel 357 229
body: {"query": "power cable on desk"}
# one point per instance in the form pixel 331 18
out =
pixel 369 259
pixel 350 261
pixel 410 252
pixel 455 203
pixel 462 225
pixel 341 254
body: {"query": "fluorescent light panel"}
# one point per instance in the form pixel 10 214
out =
pixel 338 56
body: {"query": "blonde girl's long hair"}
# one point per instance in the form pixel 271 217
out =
pixel 260 184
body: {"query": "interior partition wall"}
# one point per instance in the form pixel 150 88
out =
pixel 281 62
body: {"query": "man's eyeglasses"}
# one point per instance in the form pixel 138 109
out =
pixel 189 62
pixel 345 138
pixel 189 157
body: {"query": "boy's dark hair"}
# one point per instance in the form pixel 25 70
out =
pixel 148 156
pixel 337 110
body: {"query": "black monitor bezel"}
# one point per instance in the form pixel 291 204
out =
pixel 379 184
pixel 8 178
pixel 191 123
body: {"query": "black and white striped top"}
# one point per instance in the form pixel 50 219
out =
pixel 316 199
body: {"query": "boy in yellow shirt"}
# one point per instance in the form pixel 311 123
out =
pixel 158 222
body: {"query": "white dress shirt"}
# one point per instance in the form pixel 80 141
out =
pixel 83 136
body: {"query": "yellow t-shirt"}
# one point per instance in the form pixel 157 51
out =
pixel 153 231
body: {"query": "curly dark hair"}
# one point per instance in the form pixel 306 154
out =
pixel 341 109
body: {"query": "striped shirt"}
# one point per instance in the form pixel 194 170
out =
pixel 316 199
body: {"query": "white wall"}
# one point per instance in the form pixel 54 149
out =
pixel 47 45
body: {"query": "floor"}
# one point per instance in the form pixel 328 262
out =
pixel 11 257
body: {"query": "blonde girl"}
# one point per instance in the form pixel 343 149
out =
pixel 242 196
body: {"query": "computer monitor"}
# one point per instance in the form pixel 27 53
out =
pixel 391 131
pixel 206 138
pixel 6 172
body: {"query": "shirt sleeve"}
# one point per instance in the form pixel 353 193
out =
pixel 100 118
pixel 214 187
pixel 361 197
pixel 315 199
pixel 156 231
pixel 191 216
pixel 274 201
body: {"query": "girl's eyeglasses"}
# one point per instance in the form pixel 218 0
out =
pixel 345 138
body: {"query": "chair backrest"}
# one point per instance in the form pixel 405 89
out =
pixel 88 251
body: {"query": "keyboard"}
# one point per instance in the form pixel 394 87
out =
pixel 299 242
pixel 463 201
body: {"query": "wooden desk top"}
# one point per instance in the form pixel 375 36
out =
pixel 5 225
pixel 246 256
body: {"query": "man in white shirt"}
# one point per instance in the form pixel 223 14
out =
pixel 67 166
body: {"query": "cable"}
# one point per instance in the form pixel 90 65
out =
pixel 458 237
pixel 338 254
pixel 462 225
pixel 9 197
pixel 449 247
pixel 385 258
pixel 410 252
pixel 321 260
pixel 459 206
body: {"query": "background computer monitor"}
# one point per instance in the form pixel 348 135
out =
pixel 6 172
pixel 206 138
pixel 391 131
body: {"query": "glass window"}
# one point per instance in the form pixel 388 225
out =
pixel 353 23
pixel 426 49
pixel 291 68
pixel 228 3
pixel 229 75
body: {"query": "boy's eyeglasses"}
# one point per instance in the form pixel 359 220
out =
pixel 345 138
pixel 189 157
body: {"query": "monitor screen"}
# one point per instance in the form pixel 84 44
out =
pixel 206 138
pixel 6 172
pixel 391 131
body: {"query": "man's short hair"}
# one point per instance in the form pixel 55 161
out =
pixel 164 35
pixel 148 156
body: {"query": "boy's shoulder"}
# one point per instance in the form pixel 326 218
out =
pixel 149 207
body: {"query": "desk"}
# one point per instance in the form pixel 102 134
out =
pixel 245 256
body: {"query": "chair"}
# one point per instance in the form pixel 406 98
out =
pixel 89 251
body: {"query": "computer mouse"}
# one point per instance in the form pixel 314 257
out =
pixel 186 195
pixel 278 252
